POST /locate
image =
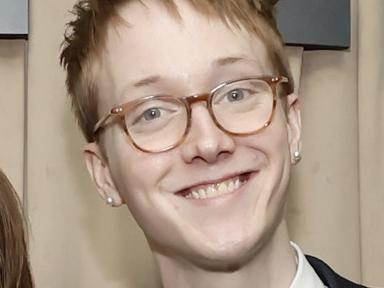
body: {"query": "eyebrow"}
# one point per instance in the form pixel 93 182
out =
pixel 223 61
pixel 227 60
pixel 243 59
pixel 147 81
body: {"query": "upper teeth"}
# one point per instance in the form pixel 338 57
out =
pixel 214 190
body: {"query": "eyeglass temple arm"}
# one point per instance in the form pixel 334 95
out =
pixel 102 122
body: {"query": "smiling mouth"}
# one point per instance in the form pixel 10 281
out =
pixel 215 189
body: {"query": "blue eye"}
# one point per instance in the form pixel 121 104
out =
pixel 152 114
pixel 235 95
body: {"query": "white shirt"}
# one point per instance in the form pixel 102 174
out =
pixel 305 276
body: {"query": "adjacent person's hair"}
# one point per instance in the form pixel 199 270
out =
pixel 85 37
pixel 14 261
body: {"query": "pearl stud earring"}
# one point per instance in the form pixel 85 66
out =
pixel 110 201
pixel 296 157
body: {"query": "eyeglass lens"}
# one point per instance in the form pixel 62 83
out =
pixel 239 107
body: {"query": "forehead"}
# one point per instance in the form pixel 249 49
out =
pixel 152 41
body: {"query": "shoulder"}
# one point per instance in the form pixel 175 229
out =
pixel 329 277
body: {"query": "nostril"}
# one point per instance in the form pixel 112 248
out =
pixel 211 156
pixel 223 155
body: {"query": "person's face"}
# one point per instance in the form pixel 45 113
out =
pixel 184 58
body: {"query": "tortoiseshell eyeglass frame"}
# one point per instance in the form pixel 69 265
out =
pixel 117 114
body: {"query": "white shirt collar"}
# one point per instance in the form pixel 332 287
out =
pixel 305 276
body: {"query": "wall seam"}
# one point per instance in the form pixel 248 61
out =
pixel 359 141
pixel 25 142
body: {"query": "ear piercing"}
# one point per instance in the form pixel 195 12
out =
pixel 296 157
pixel 110 201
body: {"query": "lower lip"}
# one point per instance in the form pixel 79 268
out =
pixel 222 197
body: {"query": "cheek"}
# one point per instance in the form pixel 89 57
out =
pixel 138 174
pixel 278 153
pixel 277 135
pixel 272 145
pixel 279 161
pixel 272 142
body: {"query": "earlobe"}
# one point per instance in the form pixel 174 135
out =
pixel 100 173
pixel 294 127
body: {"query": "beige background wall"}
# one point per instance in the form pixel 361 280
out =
pixel 337 198
pixel 324 209
pixel 12 110
pixel 371 140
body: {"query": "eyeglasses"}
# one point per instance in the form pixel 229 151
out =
pixel 159 123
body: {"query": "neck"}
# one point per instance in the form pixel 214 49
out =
pixel 273 265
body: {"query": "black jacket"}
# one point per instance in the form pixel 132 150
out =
pixel 329 277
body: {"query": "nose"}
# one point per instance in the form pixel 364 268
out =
pixel 205 141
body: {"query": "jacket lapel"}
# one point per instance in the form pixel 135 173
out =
pixel 329 277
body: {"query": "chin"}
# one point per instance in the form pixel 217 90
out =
pixel 223 236
pixel 228 255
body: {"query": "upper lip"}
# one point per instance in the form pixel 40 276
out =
pixel 197 184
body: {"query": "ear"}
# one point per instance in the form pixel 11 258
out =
pixel 100 173
pixel 294 126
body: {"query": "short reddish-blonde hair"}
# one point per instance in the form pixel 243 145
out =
pixel 85 37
